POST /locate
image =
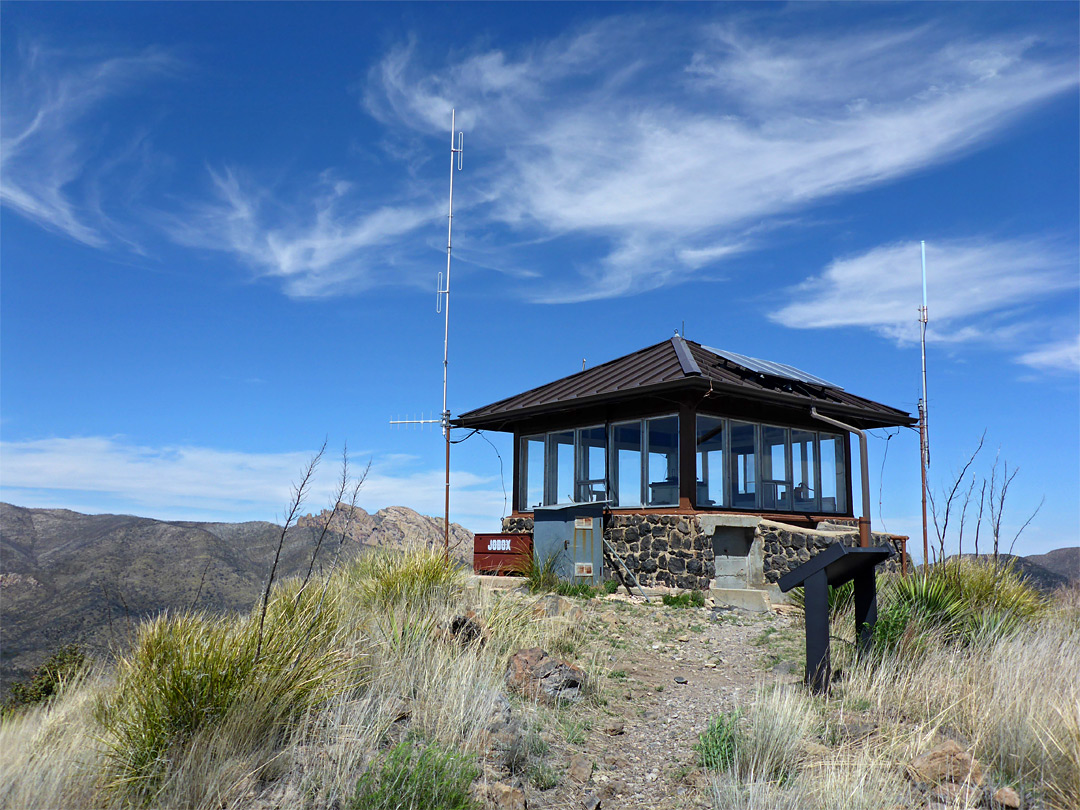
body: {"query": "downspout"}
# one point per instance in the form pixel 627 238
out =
pixel 864 521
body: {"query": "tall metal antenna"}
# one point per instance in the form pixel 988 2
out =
pixel 924 431
pixel 442 305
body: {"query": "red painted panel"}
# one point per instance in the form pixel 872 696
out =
pixel 501 553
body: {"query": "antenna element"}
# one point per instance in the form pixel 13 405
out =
pixel 442 306
pixel 924 432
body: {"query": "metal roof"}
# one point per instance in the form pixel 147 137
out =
pixel 680 364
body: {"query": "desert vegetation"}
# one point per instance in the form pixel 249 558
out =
pixel 355 692
pixel 964 651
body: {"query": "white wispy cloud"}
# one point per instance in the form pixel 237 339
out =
pixel 331 243
pixel 979 290
pixel 662 151
pixel 105 473
pixel 1062 355
pixel 658 143
pixel 53 159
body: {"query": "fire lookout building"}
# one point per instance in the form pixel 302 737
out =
pixel 709 467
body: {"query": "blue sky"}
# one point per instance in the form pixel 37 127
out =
pixel 222 225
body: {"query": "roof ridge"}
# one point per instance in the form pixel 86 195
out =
pixel 689 365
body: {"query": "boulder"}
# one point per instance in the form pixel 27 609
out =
pixel 467 629
pixel 581 769
pixel 549 605
pixel 507 797
pixel 946 763
pixel 613 727
pixel 537 675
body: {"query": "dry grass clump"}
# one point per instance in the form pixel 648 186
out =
pixel 768 768
pixel 1016 698
pixel 354 673
pixel 967 650
pixel 50 755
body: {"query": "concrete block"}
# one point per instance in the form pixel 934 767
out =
pixel 745 598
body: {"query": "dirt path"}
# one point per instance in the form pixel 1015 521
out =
pixel 664 672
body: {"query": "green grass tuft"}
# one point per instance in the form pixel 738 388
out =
pixel 431 778
pixel 685 599
pixel 415 579
pixel 718 743
pixel 958 601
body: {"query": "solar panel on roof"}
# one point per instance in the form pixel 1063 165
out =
pixel 773 369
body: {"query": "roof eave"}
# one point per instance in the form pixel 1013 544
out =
pixel 867 418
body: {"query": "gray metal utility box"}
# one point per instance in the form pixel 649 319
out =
pixel 573 535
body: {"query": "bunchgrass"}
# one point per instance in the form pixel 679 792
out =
pixel 430 777
pixel 190 673
pixel 349 665
pixel 716 744
pixel 384 578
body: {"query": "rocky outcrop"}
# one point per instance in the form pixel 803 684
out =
pixel 539 676
pixel 395 527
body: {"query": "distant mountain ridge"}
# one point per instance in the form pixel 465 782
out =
pixel 66 577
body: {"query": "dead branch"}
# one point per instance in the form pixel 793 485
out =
pixel 299 493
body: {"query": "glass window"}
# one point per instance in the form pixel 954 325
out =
pixel 532 471
pixel 591 484
pixel 804 470
pixel 626 463
pixel 560 470
pixel 833 474
pixel 710 461
pixel 663 464
pixel 743 468
pixel 775 481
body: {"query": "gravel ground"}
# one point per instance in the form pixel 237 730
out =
pixel 663 672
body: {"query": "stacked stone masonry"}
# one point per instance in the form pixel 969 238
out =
pixel 673 551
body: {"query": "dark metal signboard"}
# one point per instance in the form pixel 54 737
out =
pixel 835 566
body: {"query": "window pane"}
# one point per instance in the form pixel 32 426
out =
pixel 803 471
pixel 591 465
pixel 663 489
pixel 561 467
pixel 626 469
pixel 532 472
pixel 775 481
pixel 710 461
pixel 743 469
pixel 833 474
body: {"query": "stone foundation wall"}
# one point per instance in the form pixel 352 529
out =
pixel 786 548
pixel 674 551
pixel 666 550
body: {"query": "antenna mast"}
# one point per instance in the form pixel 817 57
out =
pixel 444 292
pixel 442 305
pixel 924 433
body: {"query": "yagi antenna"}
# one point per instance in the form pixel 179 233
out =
pixel 442 306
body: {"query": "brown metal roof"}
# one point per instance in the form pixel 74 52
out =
pixel 674 365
